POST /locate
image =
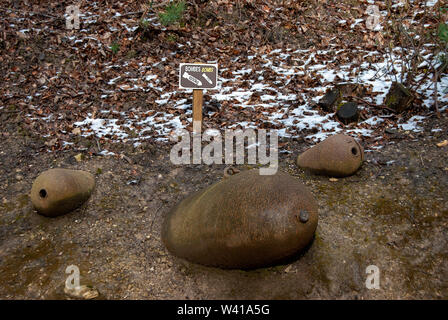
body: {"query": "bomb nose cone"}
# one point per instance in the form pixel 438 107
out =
pixel 339 156
pixel 244 221
pixel 58 191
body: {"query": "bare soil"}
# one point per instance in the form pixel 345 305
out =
pixel 393 213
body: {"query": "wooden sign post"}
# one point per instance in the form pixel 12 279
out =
pixel 198 99
pixel 198 76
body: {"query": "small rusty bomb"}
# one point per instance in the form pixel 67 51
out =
pixel 58 191
pixel 337 156
pixel 245 221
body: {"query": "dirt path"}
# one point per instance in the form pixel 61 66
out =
pixel 393 214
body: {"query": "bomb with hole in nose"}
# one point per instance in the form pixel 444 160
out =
pixel 59 191
pixel 337 156
pixel 244 221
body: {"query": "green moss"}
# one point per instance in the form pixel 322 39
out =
pixel 171 37
pixel 392 99
pixel 131 54
pixel 173 13
pixel 115 47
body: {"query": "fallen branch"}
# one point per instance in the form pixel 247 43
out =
pixel 33 13
pixel 372 104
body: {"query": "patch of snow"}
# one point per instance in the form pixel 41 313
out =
pixel 106 153
pixel 431 3
pixel 373 121
pixel 412 124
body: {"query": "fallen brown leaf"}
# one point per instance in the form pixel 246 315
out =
pixel 443 143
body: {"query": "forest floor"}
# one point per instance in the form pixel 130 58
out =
pixel 393 213
pixel 61 97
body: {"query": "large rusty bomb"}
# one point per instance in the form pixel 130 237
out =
pixel 58 191
pixel 338 156
pixel 245 221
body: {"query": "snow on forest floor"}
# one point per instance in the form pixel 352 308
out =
pixel 284 68
pixel 274 96
pixel 278 87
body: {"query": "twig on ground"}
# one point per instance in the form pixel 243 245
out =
pixel 372 104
